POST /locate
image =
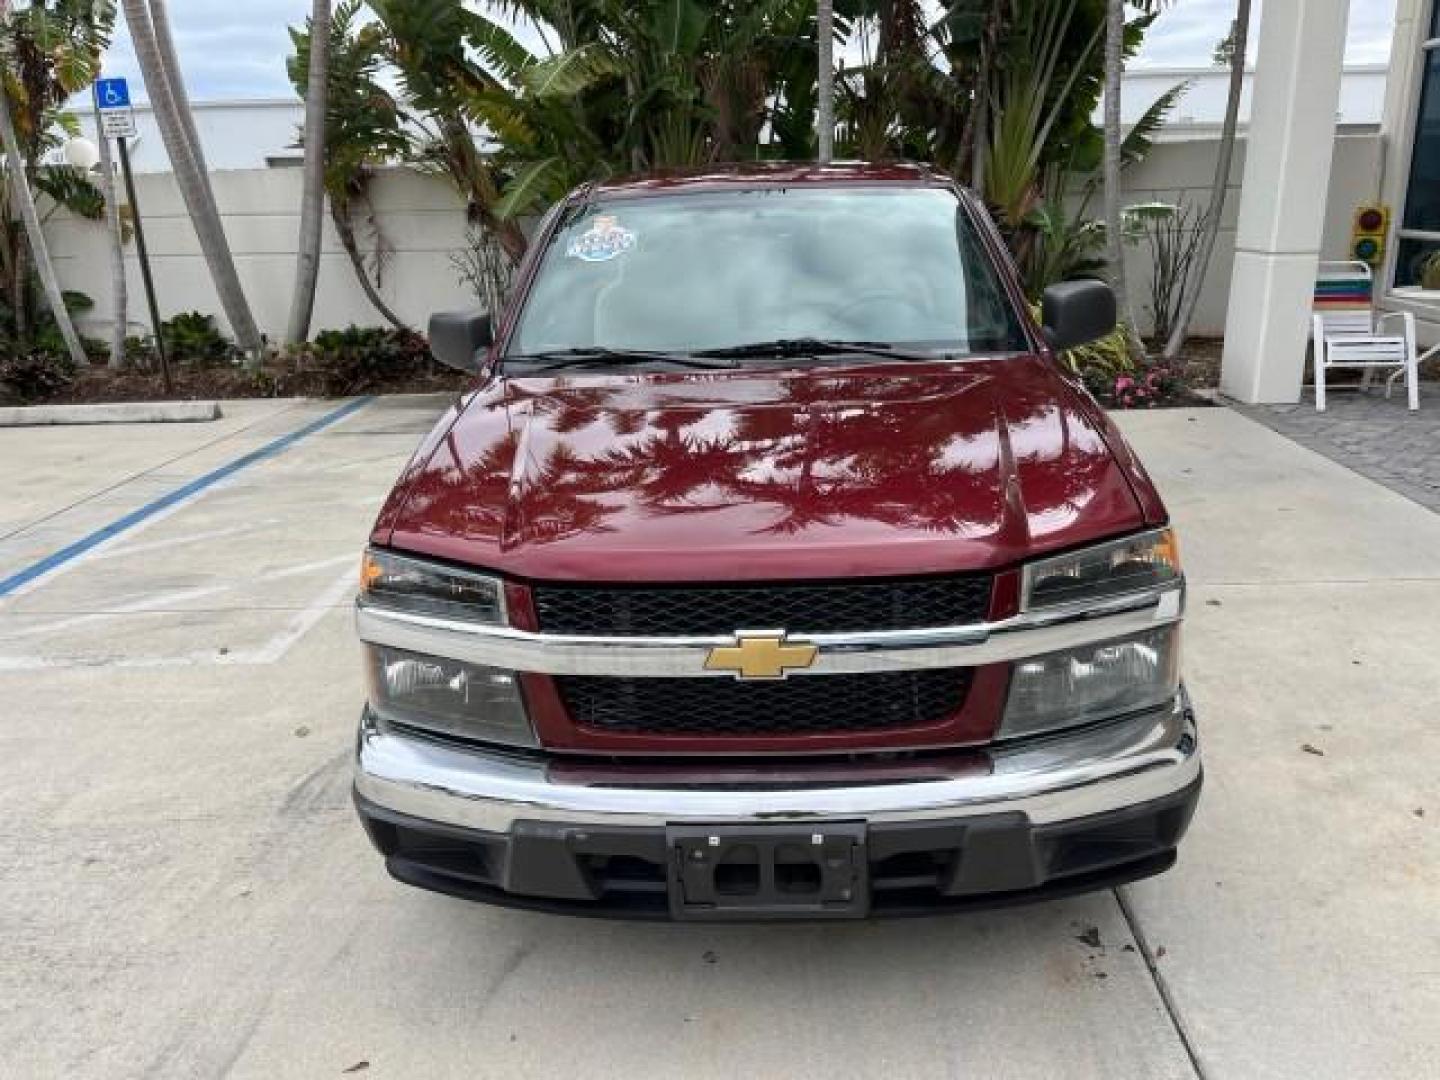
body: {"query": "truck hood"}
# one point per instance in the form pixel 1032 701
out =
pixel 800 473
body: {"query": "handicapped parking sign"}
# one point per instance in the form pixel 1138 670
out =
pixel 112 93
pixel 117 118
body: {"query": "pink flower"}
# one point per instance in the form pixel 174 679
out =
pixel 1123 383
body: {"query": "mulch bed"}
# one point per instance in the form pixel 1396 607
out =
pixel 1186 383
pixel 1199 364
pixel 100 384
pixel 1199 368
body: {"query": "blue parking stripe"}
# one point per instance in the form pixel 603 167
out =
pixel 180 494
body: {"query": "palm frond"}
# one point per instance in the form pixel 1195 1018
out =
pixel 678 26
pixel 534 186
pixel 69 187
pixel 497 48
pixel 569 73
pixel 1141 136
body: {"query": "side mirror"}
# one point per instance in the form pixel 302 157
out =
pixel 458 337
pixel 1076 312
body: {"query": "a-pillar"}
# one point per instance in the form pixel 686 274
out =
pixel 1288 147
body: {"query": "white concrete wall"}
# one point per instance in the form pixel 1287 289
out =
pixel 1182 171
pixel 420 215
pixel 424 222
pixel 1362 96
pixel 235 134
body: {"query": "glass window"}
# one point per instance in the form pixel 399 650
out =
pixel 1413 259
pixel 1422 203
pixel 695 271
pixel 1435 20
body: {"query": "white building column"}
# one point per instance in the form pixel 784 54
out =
pixel 1288 147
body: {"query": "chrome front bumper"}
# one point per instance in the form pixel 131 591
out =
pixel 1107 767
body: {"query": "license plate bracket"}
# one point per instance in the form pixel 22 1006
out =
pixel 719 872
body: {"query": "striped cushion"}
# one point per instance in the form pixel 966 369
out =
pixel 1348 292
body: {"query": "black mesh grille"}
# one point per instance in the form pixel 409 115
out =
pixel 622 610
pixel 797 706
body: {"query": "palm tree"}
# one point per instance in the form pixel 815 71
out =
pixel 119 285
pixel 312 203
pixel 1220 185
pixel 364 128
pixel 825 113
pixel 165 41
pixel 1114 232
pixel 176 129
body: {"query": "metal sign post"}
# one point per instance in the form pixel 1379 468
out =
pixel 117 121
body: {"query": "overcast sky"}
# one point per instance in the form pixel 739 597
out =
pixel 237 48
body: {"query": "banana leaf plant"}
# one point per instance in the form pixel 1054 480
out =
pixel 52 51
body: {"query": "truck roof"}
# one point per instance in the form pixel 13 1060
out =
pixel 767 174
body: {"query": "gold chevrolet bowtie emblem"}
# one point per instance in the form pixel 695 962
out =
pixel 760 655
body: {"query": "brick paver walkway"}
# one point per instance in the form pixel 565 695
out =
pixel 1377 438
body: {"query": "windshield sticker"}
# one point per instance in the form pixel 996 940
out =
pixel 604 240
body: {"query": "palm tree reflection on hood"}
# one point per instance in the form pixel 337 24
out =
pixel 553 459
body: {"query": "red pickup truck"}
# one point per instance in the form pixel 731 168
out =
pixel 773 568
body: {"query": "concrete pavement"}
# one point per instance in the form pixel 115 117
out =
pixel 1300 931
pixel 184 891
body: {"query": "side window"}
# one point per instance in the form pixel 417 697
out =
pixel 1417 258
pixel 992 317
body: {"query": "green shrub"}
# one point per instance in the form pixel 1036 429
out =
pixel 44 336
pixel 36 376
pixel 1115 380
pixel 1108 357
pixel 342 362
pixel 140 353
pixel 48 340
pixel 190 338
pixel 193 338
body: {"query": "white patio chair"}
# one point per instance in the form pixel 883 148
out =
pixel 1348 335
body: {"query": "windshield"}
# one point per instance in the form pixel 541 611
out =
pixel 686 273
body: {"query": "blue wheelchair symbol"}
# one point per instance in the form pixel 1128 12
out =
pixel 113 93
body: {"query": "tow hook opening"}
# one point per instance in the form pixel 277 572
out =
pixel 738 874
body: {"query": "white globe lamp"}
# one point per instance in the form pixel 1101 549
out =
pixel 82 154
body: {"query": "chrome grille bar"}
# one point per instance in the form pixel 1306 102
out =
pixel 1030 634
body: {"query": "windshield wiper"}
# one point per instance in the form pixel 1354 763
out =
pixel 592 356
pixel 809 346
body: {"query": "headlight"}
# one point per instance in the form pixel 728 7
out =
pixel 1135 564
pixel 1093 682
pixel 448 697
pixel 405 584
